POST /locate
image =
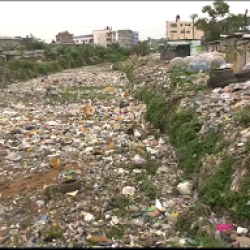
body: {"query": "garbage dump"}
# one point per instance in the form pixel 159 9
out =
pixel 223 111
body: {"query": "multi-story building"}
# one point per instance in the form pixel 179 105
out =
pixel 84 39
pixel 135 37
pixel 125 38
pixel 104 37
pixel 182 30
pixel 64 37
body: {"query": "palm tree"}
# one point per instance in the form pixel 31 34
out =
pixel 193 17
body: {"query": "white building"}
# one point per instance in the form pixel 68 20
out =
pixel 104 37
pixel 86 39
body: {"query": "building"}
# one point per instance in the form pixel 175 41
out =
pixel 182 30
pixel 104 37
pixel 125 38
pixel 155 44
pixel 9 43
pixel 135 37
pixel 212 46
pixel 64 37
pixel 84 39
pixel 236 47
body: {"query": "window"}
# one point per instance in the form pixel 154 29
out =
pixel 183 32
pixel 173 31
pixel 173 25
pixel 187 24
pixel 188 32
pixel 181 24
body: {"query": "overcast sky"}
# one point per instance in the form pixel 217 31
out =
pixel 46 19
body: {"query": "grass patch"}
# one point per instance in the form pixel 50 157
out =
pixel 205 240
pixel 120 201
pixel 50 193
pixel 148 188
pixel 195 88
pixel 180 76
pixel 117 231
pixel 183 126
pixel 216 191
pixel 243 117
pixel 147 185
pixel 79 93
pixel 53 232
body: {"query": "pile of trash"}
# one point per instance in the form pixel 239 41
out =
pixel 81 166
pixel 217 108
pixel 203 62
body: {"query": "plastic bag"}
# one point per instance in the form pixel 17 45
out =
pixel 197 66
pixel 176 62
pixel 185 188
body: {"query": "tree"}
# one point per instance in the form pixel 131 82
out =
pixel 33 43
pixel 142 48
pixel 9 47
pixel 21 49
pixel 193 17
pixel 213 26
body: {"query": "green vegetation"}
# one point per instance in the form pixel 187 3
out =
pixel 142 48
pixel 49 193
pixel 183 127
pixel 242 117
pixel 77 93
pixel 120 201
pixel 179 76
pixel 145 178
pixel 53 232
pixel 57 59
pixel 213 27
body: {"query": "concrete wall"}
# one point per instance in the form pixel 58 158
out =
pixel 213 47
pixel 5 42
pixel 104 37
pixel 182 30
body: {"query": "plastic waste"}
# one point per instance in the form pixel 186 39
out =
pixel 242 230
pixel 87 216
pixel 176 62
pixel 224 227
pixel 158 204
pixel 185 188
pixel 138 160
pixel 128 190
pixel 152 212
pixel 197 66
pixel 74 193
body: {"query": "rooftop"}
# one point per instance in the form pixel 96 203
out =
pixel 83 36
pixel 9 37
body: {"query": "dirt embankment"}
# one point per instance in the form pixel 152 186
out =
pixel 209 130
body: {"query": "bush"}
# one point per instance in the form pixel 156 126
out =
pixel 67 57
